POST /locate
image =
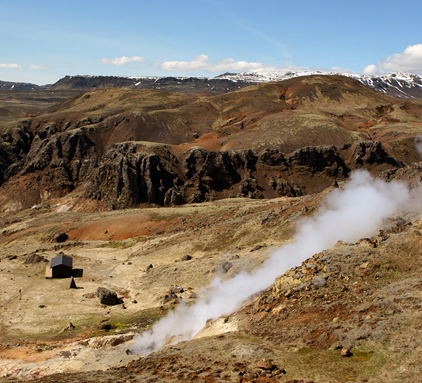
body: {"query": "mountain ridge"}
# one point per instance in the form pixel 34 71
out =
pixel 397 84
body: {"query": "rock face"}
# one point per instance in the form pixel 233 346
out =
pixel 129 174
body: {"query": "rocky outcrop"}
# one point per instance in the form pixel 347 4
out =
pixel 372 152
pixel 58 157
pixel 318 159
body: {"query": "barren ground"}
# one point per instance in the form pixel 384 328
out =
pixel 114 250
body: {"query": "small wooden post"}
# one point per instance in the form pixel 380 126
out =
pixel 72 284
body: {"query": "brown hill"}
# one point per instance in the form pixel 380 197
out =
pixel 126 147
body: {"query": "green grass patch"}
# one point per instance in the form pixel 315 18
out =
pixel 119 325
pixel 361 356
pixel 142 319
pixel 305 351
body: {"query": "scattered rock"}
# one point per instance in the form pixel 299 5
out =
pixel 266 364
pixel 186 258
pixel 149 268
pixel 345 352
pixel 364 265
pixel 61 237
pixel 176 289
pixel 34 258
pixel 108 326
pixel 223 268
pixel 107 297
pixel 70 326
pixel 169 297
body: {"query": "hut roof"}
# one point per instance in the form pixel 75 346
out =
pixel 61 260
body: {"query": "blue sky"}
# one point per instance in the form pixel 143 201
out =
pixel 43 41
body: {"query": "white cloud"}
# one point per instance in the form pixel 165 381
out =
pixel 10 66
pixel 410 60
pixel 371 70
pixel 123 60
pixel 201 63
pixel 38 67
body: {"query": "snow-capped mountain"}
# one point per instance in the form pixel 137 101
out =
pixel 403 85
pixel 8 85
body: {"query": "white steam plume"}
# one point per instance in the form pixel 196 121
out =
pixel 349 214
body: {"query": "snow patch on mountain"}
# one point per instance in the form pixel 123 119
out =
pixel 392 84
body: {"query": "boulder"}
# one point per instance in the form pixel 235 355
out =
pixel 61 237
pixel 107 297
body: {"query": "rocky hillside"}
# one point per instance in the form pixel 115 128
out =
pixel 123 148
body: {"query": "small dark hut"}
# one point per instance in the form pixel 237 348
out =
pixel 60 267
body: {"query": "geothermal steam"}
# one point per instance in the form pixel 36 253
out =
pixel 354 212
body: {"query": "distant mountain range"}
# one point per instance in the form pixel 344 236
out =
pixel 9 85
pixel 402 85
